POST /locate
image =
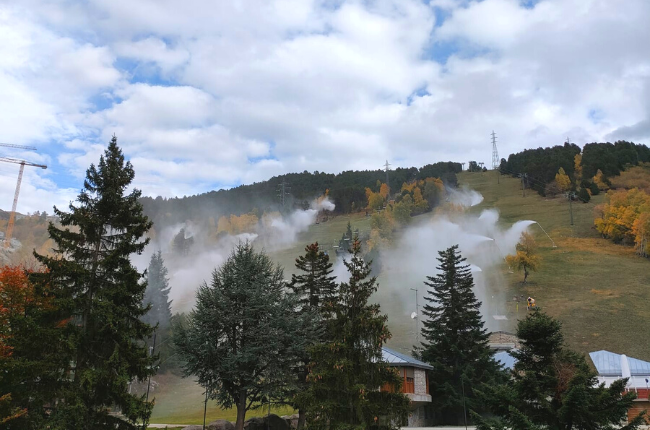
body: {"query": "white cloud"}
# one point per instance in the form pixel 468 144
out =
pixel 202 94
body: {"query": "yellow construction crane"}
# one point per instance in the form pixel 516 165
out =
pixel 23 163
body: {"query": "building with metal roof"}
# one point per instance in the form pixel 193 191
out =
pixel 611 364
pixel 611 367
pixel 505 359
pixel 395 358
pixel 415 384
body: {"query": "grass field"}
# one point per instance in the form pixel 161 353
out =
pixel 600 291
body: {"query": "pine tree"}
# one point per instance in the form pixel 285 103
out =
pixel 314 285
pixel 242 339
pixel 347 370
pixel 554 388
pixel 103 292
pixel 316 292
pixel 455 340
pixel 159 316
pixel 157 294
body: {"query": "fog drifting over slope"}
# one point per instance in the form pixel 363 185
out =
pixel 405 265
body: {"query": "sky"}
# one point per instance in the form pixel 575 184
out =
pixel 205 95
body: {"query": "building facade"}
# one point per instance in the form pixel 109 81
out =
pixel 611 367
pixel 415 384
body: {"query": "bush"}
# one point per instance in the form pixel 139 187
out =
pixel 594 189
pixel 583 195
pixel 552 189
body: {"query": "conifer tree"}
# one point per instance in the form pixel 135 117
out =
pixel 316 292
pixel 103 293
pixel 347 370
pixel 455 340
pixel 553 388
pixel 159 316
pixel 314 285
pixel 242 339
pixel 157 294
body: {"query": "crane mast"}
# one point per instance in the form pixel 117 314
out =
pixel 23 163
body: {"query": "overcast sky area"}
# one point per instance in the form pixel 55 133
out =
pixel 206 94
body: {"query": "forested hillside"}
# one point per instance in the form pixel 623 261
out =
pixel 347 190
pixel 542 164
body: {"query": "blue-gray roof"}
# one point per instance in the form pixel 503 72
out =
pixel 395 358
pixel 507 360
pixel 609 364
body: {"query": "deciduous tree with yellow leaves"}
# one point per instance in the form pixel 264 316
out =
pixel 625 218
pixel 526 257
pixel 563 180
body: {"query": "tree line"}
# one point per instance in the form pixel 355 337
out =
pixel 347 190
pixel 542 164
pixel 76 333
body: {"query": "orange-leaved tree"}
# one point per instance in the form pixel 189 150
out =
pixel 16 294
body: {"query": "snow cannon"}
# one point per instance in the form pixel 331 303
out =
pixel 531 306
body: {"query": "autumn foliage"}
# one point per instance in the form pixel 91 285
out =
pixel 17 295
pixel 526 257
pixel 244 223
pixel 625 218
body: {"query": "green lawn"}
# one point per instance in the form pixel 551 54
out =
pixel 180 401
pixel 598 290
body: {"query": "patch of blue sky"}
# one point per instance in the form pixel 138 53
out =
pixel 102 101
pixel 596 115
pixel 440 51
pixel 419 92
pixel 143 72
pixel 528 4
pixel 441 15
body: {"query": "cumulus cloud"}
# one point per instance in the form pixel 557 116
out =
pixel 204 95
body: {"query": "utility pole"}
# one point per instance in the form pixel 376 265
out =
pixel 283 190
pixel 570 195
pixel 462 166
pixel 523 177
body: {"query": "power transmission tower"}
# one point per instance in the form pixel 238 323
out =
pixel 283 190
pixel 462 166
pixel 386 166
pixel 23 163
pixel 495 152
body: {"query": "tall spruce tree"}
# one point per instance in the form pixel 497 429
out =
pixel 157 294
pixel 553 388
pixel 103 293
pixel 243 337
pixel 455 341
pixel 316 292
pixel 347 370
pixel 159 316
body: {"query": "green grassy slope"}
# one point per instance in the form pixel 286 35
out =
pixel 600 291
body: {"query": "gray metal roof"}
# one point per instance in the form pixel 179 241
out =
pixel 609 364
pixel 395 358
